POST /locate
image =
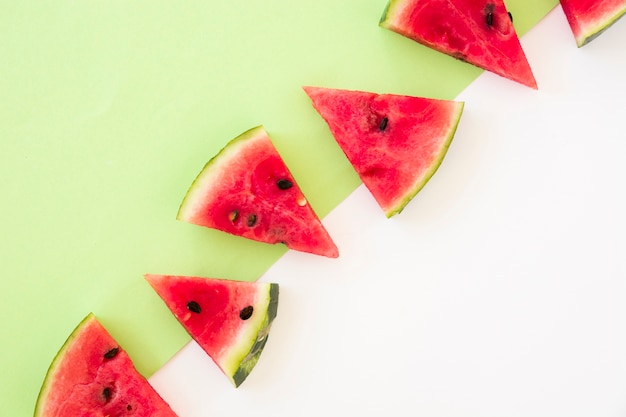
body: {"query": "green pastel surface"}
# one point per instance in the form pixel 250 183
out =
pixel 108 112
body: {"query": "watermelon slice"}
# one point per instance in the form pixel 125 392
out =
pixel 93 376
pixel 480 32
pixel 589 18
pixel 229 319
pixel 395 142
pixel 247 190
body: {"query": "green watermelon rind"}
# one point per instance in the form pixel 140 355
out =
pixel 436 163
pixel 244 359
pixel 238 352
pixel 592 32
pixel 54 365
pixel 202 183
pixel 388 13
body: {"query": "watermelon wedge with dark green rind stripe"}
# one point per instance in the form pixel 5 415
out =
pixel 229 319
pixel 247 190
pixel 396 143
pixel 479 32
pixel 590 18
pixel 93 376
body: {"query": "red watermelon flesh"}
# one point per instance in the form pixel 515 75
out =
pixel 247 190
pixel 480 32
pixel 93 376
pixel 589 18
pixel 395 142
pixel 229 319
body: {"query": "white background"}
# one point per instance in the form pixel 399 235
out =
pixel 499 291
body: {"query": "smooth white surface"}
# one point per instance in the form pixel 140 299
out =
pixel 499 291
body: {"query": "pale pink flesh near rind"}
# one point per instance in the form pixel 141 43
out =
pixel 588 19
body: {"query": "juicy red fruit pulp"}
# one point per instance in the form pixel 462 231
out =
pixel 247 190
pixel 476 31
pixel 94 376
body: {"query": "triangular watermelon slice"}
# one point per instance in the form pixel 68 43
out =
pixel 590 18
pixel 229 319
pixel 395 142
pixel 93 376
pixel 480 32
pixel 247 190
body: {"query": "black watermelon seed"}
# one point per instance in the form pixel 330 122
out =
pixel 510 16
pixel 233 215
pixel 129 407
pixel 111 353
pixel 251 220
pixel 246 313
pixel 106 394
pixel 284 184
pixel 194 307
pixel 383 124
pixel 490 19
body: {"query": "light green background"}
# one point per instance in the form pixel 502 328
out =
pixel 108 111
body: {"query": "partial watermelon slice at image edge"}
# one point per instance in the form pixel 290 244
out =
pixel 588 19
pixel 212 311
pixel 477 32
pixel 92 375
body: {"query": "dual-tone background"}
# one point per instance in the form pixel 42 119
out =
pixel 108 112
